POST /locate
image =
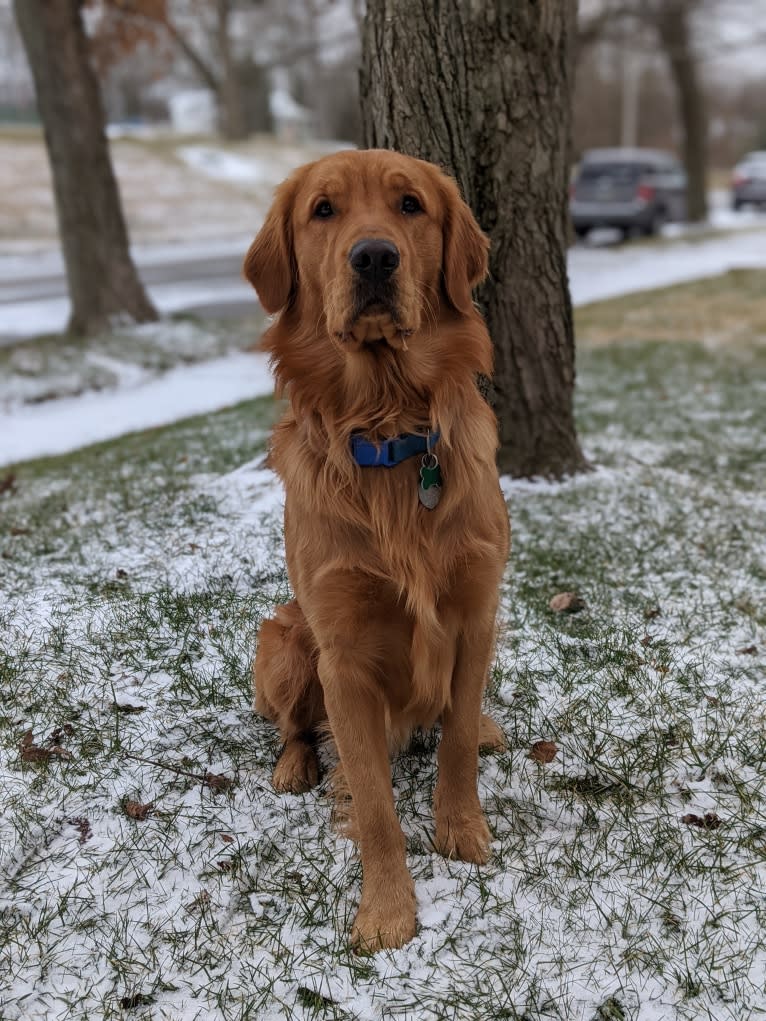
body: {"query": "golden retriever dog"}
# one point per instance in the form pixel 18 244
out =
pixel 395 527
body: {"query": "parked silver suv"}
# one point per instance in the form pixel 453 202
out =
pixel 748 181
pixel 634 190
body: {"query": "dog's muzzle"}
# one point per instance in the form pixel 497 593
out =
pixel 375 314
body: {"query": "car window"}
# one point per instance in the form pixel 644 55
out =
pixel 622 173
pixel 670 175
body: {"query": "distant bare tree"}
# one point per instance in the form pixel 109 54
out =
pixel 204 32
pixel 103 282
pixel 209 49
pixel 672 19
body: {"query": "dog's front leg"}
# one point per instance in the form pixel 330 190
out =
pixel 461 829
pixel 355 709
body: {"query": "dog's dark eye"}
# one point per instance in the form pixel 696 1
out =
pixel 323 210
pixel 411 205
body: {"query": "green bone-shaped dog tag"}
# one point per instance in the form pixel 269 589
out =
pixel 430 477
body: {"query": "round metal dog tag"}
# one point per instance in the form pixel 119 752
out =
pixel 429 497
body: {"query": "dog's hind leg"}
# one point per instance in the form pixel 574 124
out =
pixel 287 691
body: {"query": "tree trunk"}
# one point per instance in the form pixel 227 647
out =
pixel 674 30
pixel 103 283
pixel 229 93
pixel 483 89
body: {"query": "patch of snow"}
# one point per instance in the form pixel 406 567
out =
pixel 57 427
pixel 284 107
pixel 228 166
pixel 596 274
pixel 19 319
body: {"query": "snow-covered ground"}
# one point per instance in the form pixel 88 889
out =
pixel 129 608
pixel 31 317
pixel 58 426
pixel 596 273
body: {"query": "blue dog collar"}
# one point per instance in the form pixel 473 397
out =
pixel 389 453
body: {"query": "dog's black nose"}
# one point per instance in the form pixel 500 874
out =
pixel 374 259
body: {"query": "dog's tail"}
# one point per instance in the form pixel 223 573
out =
pixel 432 656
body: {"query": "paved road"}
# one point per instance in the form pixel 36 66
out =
pixel 34 301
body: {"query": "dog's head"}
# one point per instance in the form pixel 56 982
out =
pixel 375 244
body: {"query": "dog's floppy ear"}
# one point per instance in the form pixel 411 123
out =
pixel 270 264
pixel 466 249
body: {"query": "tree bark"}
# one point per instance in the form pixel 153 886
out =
pixel 229 93
pixel 483 89
pixel 674 30
pixel 103 283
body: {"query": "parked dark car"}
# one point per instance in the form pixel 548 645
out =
pixel 634 190
pixel 748 181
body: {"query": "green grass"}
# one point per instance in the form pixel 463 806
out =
pixel 724 311
pixel 134 575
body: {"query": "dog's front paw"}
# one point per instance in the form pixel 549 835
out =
pixel 465 836
pixel 385 921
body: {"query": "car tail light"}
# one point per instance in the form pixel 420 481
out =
pixel 739 179
pixel 645 192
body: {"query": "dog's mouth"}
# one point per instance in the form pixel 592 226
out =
pixel 375 318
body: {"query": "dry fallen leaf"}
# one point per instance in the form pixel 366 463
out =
pixel 30 752
pixel 67 730
pixel 82 825
pixel 200 901
pixel 566 602
pixel 710 821
pixel 136 810
pixel 218 782
pixel 543 751
pixel 747 650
